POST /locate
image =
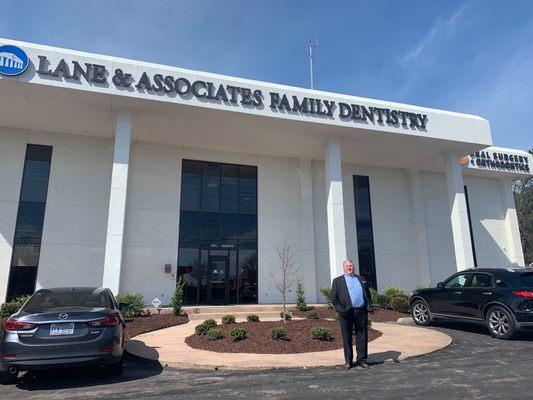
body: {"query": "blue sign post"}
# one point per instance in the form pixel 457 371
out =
pixel 13 60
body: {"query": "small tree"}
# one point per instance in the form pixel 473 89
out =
pixel 177 298
pixel 287 276
pixel 301 305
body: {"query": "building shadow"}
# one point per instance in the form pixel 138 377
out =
pixel 65 378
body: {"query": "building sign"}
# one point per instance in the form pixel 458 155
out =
pixel 230 95
pixel 497 161
pixel 13 60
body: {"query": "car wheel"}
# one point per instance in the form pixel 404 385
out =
pixel 7 379
pixel 501 323
pixel 115 368
pixel 420 313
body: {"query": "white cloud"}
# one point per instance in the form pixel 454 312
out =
pixel 440 29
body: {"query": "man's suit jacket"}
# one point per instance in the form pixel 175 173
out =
pixel 340 296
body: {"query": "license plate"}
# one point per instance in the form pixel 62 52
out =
pixel 61 329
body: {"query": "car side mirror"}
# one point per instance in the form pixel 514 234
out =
pixel 122 306
pixel 440 285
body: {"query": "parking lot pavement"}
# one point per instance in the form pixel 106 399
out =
pixel 474 366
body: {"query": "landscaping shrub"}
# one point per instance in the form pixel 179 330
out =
pixel 214 334
pixel 201 329
pixel 210 323
pixel 326 291
pixel 11 307
pixel 205 326
pixel 277 333
pixel 321 333
pixel 382 301
pixel 312 315
pixel 252 318
pixel 400 304
pixel 301 305
pixel 391 292
pixel 228 319
pixel 177 298
pixel 285 315
pixel 374 296
pixel 237 334
pixel 134 304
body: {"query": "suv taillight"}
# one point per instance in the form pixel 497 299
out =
pixel 14 325
pixel 103 322
pixel 524 293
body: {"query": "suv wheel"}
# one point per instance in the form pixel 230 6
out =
pixel 501 323
pixel 420 313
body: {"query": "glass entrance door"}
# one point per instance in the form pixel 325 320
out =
pixel 218 288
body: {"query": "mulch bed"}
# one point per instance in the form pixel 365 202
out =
pixel 138 325
pixel 299 338
pixel 380 314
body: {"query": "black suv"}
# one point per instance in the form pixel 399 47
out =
pixel 500 298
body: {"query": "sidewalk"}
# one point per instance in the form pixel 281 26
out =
pixel 168 347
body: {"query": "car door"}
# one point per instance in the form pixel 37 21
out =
pixel 449 300
pixel 480 290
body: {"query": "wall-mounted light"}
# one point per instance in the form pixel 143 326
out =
pixel 168 268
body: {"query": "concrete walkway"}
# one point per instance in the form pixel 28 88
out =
pixel 168 347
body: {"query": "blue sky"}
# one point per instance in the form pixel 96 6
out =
pixel 473 57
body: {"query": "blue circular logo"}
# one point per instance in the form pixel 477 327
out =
pixel 13 60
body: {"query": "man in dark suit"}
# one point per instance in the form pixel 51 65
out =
pixel 352 301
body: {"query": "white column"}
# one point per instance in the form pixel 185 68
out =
pixel 335 207
pixel 514 244
pixel 117 203
pixel 464 257
pixel 419 228
pixel 307 231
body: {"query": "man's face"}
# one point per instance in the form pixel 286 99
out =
pixel 348 267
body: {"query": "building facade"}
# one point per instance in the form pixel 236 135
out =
pixel 131 175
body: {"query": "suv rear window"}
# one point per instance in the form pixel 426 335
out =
pixel 526 279
pixel 44 301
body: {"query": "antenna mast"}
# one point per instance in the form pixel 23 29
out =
pixel 311 45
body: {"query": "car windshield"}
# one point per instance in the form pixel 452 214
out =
pixel 44 301
pixel 526 279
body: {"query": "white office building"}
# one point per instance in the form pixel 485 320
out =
pixel 129 175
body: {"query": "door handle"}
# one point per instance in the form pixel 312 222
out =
pixel 487 293
pixel 457 292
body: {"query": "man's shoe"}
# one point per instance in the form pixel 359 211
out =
pixel 348 365
pixel 363 365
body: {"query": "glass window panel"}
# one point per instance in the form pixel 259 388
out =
pixel 247 190
pixel 211 187
pixel 247 231
pixel 189 227
pixel 363 222
pixel 229 188
pixel 188 269
pixel 232 277
pixel 38 152
pixel 30 221
pixel 229 228
pixel 21 282
pixel 457 281
pixel 204 276
pixel 247 276
pixel 35 182
pixel 210 228
pixel 190 191
pixel 26 255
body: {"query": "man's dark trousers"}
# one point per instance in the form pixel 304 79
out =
pixel 356 319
